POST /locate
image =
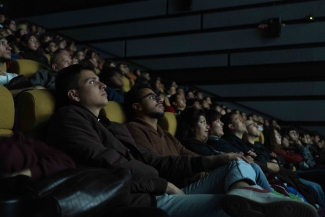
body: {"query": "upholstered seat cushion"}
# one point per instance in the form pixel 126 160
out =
pixel 26 67
pixel 35 107
pixel 168 122
pixel 114 112
pixel 7 111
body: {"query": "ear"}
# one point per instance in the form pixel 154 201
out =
pixel 55 67
pixel 136 106
pixel 73 95
pixel 230 126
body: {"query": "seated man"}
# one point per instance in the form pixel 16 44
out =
pixel 5 56
pixel 178 101
pixel 92 140
pixel 147 133
pixel 45 78
pixel 50 47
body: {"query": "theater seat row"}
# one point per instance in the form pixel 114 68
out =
pixel 35 107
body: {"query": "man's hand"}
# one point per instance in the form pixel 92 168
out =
pixel 251 153
pixel 273 166
pixel 249 159
pixel 172 189
pixel 212 162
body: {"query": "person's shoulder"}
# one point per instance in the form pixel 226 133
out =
pixel 68 110
pixel 137 123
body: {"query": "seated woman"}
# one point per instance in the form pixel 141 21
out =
pixel 281 146
pixel 29 49
pixel 195 131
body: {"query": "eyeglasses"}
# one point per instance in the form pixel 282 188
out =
pixel 150 95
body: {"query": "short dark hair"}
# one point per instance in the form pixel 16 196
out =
pixel 173 98
pixel 44 35
pixel 226 120
pixel 47 44
pixel 55 55
pixel 131 97
pixel 212 115
pixel 67 79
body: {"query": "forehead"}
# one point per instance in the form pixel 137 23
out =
pixel 235 117
pixel 87 74
pixel 145 91
pixel 32 38
pixel 249 122
pixel 201 118
pixel 179 97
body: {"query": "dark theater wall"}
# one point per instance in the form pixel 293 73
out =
pixel 214 45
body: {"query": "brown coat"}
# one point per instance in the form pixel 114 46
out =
pixel 158 141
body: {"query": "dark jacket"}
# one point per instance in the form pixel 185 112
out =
pixel 201 148
pixel 101 143
pixel 44 78
pixel 37 56
pixel 223 146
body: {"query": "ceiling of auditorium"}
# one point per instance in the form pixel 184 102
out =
pixel 213 45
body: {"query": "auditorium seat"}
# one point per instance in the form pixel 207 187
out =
pixel 114 112
pixel 48 56
pixel 7 111
pixel 127 84
pixel 260 139
pixel 26 67
pixel 168 122
pixel 35 107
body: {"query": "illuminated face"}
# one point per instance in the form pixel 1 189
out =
pixel 285 140
pixel 63 61
pixel 32 43
pixel 5 50
pixel 180 102
pixel 52 48
pixel 238 124
pixel 202 129
pixel 190 95
pixel 80 55
pixel 217 128
pixel 293 135
pixel 252 129
pixel 91 92
pixel 12 26
pixel 149 104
